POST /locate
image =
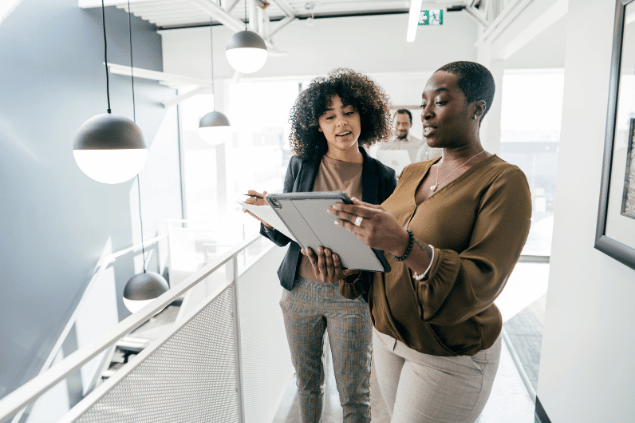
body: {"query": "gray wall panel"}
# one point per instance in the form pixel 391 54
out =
pixel 54 220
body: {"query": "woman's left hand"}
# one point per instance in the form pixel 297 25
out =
pixel 371 224
pixel 326 265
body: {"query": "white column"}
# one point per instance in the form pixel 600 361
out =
pixel 491 125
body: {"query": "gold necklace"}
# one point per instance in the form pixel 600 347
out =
pixel 436 183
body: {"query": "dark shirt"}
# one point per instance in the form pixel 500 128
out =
pixel 378 182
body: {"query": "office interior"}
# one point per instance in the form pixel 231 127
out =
pixel 70 244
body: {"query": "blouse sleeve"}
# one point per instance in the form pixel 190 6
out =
pixel 460 286
pixel 275 236
pixel 356 285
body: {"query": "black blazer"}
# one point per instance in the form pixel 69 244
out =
pixel 378 182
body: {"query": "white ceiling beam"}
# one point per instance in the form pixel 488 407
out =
pixel 170 6
pixel 279 25
pixel 171 15
pixel 478 16
pixel 501 22
pixel 89 4
pixel 179 98
pixel 231 5
pixel 169 22
pixel 174 81
pixel 285 7
pixel 547 18
pixel 218 13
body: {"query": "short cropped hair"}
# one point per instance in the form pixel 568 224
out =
pixel 404 112
pixel 355 89
pixel 475 80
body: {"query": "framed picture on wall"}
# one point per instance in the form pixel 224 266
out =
pixel 615 233
pixel 628 199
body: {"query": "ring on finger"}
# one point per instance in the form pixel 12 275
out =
pixel 358 221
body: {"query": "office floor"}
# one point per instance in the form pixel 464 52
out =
pixel 522 307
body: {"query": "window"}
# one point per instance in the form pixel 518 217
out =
pixel 530 133
pixel 255 155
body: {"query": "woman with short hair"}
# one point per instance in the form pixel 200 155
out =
pixel 452 233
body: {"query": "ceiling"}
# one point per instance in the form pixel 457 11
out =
pixel 167 14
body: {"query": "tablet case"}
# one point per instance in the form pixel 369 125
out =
pixel 305 215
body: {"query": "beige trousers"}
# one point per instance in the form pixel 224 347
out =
pixel 422 388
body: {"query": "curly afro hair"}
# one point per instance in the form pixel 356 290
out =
pixel 354 89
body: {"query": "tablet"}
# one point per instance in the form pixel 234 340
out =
pixel 305 215
pixel 396 159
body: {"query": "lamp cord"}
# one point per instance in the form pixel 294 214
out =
pixel 143 251
pixel 103 17
pixel 211 41
pixel 134 113
pixel 245 15
pixel 134 117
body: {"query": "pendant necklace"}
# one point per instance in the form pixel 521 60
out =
pixel 436 183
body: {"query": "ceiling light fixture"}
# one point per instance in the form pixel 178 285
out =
pixel 214 126
pixel 246 51
pixel 107 148
pixel 144 287
pixel 413 20
pixel 309 8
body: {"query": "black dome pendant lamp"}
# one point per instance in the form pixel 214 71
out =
pixel 214 126
pixel 246 51
pixel 144 287
pixel 109 149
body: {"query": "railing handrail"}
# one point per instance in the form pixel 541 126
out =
pixel 31 390
pixel 102 264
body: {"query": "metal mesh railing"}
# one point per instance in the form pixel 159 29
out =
pixel 190 376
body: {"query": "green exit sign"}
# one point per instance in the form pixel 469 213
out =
pixel 431 17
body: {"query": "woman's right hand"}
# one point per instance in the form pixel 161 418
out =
pixel 258 201
pixel 372 225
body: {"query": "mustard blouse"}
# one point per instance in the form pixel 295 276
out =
pixel 478 225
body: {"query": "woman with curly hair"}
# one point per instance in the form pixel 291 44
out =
pixel 330 122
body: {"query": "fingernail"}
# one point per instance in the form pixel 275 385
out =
pixel 337 222
pixel 353 198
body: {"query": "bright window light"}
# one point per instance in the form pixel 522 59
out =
pixel 6 7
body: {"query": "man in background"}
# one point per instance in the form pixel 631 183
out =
pixel 418 150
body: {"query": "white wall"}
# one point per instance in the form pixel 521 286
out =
pixel 587 372
pixel 369 44
pixel 545 51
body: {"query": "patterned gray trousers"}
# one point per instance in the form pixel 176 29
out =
pixel 310 309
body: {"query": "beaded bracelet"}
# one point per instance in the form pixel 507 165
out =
pixel 411 241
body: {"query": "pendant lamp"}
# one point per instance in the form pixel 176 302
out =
pixel 144 287
pixel 109 149
pixel 246 51
pixel 214 126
